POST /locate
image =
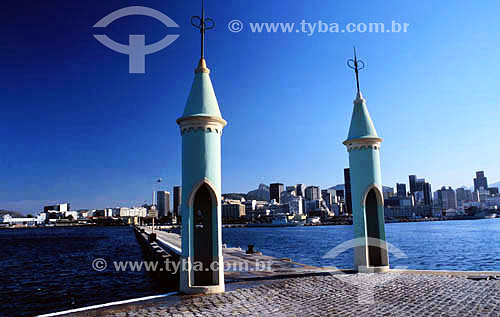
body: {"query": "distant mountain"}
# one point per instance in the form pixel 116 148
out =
pixel 262 193
pixel 14 214
pixel 338 187
pixel 234 196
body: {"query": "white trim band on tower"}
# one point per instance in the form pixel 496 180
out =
pixel 204 123
pixel 368 143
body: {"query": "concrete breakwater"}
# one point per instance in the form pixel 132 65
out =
pixel 153 252
pixel 239 265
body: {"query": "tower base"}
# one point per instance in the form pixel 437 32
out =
pixel 186 278
pixel 373 269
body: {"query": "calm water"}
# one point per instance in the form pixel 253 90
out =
pixel 441 245
pixel 50 269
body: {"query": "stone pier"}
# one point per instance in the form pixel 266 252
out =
pixel 410 293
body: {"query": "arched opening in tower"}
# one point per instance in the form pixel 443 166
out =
pixel 375 253
pixel 203 238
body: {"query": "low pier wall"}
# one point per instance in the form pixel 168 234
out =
pixel 154 253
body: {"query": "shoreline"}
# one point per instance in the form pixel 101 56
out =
pixel 245 225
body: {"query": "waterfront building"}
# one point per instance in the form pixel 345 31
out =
pixel 125 212
pixel 347 191
pixel 295 206
pixel 401 190
pixel 57 207
pixel 301 190
pixel 163 203
pixel 177 200
pixel 201 127
pixel 445 198
pixel 480 181
pixel 275 191
pixel 312 205
pixel 363 146
pixel 408 211
pixel 463 196
pixel 22 221
pixel 233 210
pixel 313 193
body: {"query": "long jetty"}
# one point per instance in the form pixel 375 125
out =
pixel 239 265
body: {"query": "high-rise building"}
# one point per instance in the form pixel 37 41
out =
pixel 446 198
pixel 427 194
pixel 275 190
pixel 177 200
pixel 313 193
pixel 347 191
pixel 480 181
pixel 401 190
pixel 163 203
pixel 301 190
pixel 413 183
pixel 327 197
pixel 463 195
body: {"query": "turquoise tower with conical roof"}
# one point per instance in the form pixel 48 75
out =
pixel 201 128
pixel 201 124
pixel 363 145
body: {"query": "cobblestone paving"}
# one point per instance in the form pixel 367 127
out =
pixel 394 295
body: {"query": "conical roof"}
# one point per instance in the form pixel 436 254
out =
pixel 202 100
pixel 361 122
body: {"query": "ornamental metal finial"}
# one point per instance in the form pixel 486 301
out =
pixel 357 65
pixel 203 24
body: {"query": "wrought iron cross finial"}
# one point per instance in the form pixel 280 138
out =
pixel 357 65
pixel 203 24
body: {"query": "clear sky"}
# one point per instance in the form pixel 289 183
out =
pixel 75 126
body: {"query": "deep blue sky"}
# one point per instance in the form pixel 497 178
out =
pixel 77 127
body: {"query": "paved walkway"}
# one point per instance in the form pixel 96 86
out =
pixel 241 266
pixel 405 294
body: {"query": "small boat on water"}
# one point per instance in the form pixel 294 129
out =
pixel 277 221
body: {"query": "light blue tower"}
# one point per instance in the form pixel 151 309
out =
pixel 363 145
pixel 202 266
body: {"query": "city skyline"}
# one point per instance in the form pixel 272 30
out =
pixel 99 144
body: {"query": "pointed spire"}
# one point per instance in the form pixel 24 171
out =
pixel 357 65
pixel 202 101
pixel 203 24
pixel 361 123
